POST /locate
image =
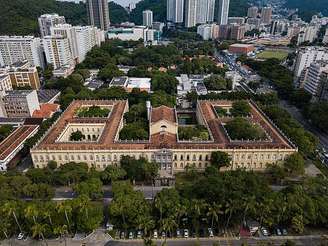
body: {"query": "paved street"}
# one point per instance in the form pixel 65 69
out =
pixel 299 117
pixel 98 238
pixel 64 193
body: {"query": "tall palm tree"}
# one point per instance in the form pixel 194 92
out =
pixel 38 230
pixel 196 209
pixel 65 208
pixel 229 210
pixel 145 223
pixel 62 232
pixel 10 209
pixel 159 206
pixel 31 211
pixel 168 224
pixel 213 212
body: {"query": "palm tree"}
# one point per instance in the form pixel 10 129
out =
pixel 181 210
pixel 196 208
pixel 249 206
pixel 62 232
pixel 168 224
pixel 65 208
pixel 10 208
pixel 145 223
pixel 31 211
pixel 158 205
pixel 213 212
pixel 230 209
pixel 38 230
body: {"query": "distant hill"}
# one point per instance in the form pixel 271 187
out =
pixel 20 16
pixel 307 8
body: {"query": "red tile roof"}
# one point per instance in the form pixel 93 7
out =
pixel 163 113
pixel 46 110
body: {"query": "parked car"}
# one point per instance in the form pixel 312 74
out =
pixel 278 232
pixel 155 234
pixel 185 233
pixel 20 236
pixel 178 233
pixel 210 232
pixel 264 231
pixel 131 235
pixel 284 232
pixel 163 234
pixel 139 234
pixel 122 235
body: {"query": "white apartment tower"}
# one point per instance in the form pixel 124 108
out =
pixel 81 38
pixel 58 51
pixel 18 48
pixel 147 18
pixel 266 15
pixel 308 55
pixel 223 13
pixel 191 13
pixel 252 12
pixel 175 10
pixel 98 13
pixel 313 77
pixel 205 11
pixel 47 21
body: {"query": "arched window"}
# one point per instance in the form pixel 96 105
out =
pixel 163 128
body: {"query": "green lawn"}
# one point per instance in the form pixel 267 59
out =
pixel 278 54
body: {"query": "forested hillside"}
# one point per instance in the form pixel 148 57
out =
pixel 20 16
pixel 307 8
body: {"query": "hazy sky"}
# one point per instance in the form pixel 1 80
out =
pixel 125 2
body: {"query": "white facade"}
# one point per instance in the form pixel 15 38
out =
pixel 135 33
pixel 308 34
pixel 81 38
pixel 199 12
pixel 190 13
pixel 325 38
pixel 223 12
pixel 5 83
pixel 252 12
pixel 266 15
pixel 313 76
pixel 147 18
pixel 208 31
pixel 205 11
pixel 307 56
pixel 47 21
pixel 18 48
pixel 98 13
pixel 21 103
pixel 58 51
pixel 175 10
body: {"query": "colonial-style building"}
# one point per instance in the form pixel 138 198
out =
pixel 101 145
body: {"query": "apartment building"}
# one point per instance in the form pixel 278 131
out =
pixel 21 103
pixel 47 21
pixel 20 48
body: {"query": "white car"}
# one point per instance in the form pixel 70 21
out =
pixel 20 236
pixel 186 233
pixel 155 234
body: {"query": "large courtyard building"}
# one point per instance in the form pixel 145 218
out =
pixel 101 145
